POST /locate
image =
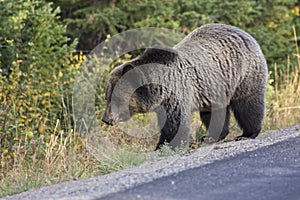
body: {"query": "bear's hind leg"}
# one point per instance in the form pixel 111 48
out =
pixel 214 131
pixel 249 114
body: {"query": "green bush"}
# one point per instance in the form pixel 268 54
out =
pixel 36 75
pixel 30 31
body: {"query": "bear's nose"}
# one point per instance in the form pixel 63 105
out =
pixel 107 121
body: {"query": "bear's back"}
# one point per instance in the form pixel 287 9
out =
pixel 219 48
pixel 224 56
pixel 222 36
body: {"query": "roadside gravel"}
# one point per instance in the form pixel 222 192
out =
pixel 103 185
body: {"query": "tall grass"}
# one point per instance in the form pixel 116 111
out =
pixel 283 107
pixel 64 158
pixel 68 156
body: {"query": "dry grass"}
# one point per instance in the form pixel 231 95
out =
pixel 65 158
pixel 68 157
pixel 284 104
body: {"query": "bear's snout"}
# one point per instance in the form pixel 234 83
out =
pixel 109 117
pixel 106 120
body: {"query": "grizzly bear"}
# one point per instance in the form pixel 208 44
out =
pixel 213 69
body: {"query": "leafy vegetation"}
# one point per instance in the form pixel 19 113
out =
pixel 36 67
pixel 268 21
pixel 44 43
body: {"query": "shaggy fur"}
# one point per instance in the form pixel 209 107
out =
pixel 213 69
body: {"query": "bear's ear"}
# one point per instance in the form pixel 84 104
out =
pixel 127 68
pixel 160 55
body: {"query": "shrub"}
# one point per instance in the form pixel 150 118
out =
pixel 36 72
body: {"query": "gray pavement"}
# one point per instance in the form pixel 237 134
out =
pixel 267 166
pixel 271 172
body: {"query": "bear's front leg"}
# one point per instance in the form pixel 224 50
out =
pixel 216 123
pixel 175 127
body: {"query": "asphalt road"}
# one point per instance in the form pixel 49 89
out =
pixel 271 172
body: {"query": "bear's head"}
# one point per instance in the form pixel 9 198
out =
pixel 130 89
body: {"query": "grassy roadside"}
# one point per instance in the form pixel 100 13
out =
pixel 283 106
pixel 67 156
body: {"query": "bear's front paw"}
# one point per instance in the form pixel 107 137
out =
pixel 208 140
